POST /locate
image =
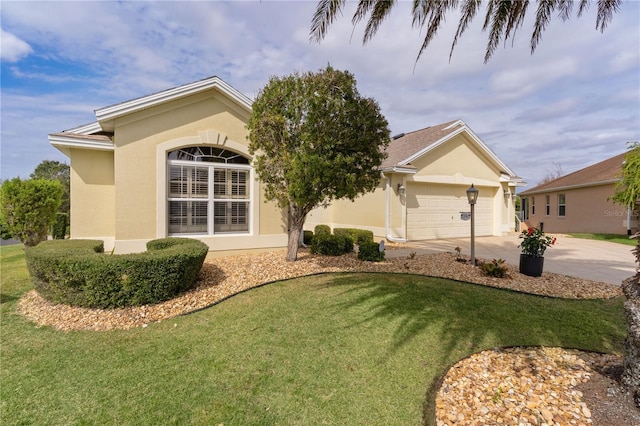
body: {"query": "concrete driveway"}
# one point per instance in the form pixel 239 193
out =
pixel 590 259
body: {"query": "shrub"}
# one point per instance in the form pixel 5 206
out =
pixel 495 268
pixel 370 251
pixel 358 236
pixel 348 238
pixel 60 226
pixel 330 245
pixel 76 272
pixel 29 208
pixel 322 229
pixel 307 237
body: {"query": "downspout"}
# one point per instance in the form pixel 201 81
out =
pixel 387 214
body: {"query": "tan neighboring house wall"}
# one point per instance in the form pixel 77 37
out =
pixel 422 191
pixel 586 205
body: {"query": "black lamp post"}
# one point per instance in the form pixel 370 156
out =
pixel 472 196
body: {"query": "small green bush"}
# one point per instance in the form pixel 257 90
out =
pixel 330 245
pixel 59 230
pixel 495 268
pixel 358 236
pixel 348 239
pixel 322 229
pixel 307 237
pixel 76 272
pixel 370 251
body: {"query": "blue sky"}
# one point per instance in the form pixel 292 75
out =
pixel 575 102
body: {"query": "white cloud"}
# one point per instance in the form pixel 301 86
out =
pixel 13 49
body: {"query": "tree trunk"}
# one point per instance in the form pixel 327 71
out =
pixel 296 222
pixel 631 373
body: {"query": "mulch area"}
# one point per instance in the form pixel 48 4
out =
pixel 490 386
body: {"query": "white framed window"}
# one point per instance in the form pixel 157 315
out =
pixel 208 191
pixel 533 206
pixel 562 208
pixel 547 205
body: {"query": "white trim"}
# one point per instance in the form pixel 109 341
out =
pixel 387 220
pixel 396 169
pixel 60 142
pixel 114 111
pixel 86 129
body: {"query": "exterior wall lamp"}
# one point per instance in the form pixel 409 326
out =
pixel 472 196
pixel 401 189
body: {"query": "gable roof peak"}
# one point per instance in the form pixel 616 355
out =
pixel 106 115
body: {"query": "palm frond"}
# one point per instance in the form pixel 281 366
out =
pixel 499 18
pixel 364 6
pixel 469 10
pixel 325 14
pixel 380 11
pixel 543 15
pixel 606 9
pixel 516 18
pixel 434 12
pixel 564 9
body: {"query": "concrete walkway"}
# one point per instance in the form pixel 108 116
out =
pixel 590 259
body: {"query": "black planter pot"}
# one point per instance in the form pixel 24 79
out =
pixel 530 265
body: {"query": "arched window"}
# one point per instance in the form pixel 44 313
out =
pixel 208 191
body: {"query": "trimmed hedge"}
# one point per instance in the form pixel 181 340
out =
pixel 358 236
pixel 78 273
pixel 370 251
pixel 331 245
pixel 307 237
pixel 322 229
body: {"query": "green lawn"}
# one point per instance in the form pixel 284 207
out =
pixel 614 238
pixel 357 349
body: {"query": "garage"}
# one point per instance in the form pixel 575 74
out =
pixel 433 211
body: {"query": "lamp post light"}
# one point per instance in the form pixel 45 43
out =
pixel 472 196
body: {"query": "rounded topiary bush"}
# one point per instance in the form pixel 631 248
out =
pixel 330 245
pixel 370 251
pixel 77 272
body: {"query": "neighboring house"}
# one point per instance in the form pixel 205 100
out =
pixel 422 193
pixel 176 163
pixel 579 202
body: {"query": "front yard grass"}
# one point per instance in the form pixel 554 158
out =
pixel 357 349
pixel 614 238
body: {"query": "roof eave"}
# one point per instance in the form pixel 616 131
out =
pixel 569 187
pixel 64 143
pixel 400 169
pixel 107 115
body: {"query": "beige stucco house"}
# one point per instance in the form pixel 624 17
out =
pixel 176 163
pixel 579 202
pixel 422 193
pixel 171 163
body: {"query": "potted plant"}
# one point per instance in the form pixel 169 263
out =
pixel 534 243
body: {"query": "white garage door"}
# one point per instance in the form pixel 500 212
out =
pixel 433 211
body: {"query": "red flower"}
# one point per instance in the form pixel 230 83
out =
pixel 530 231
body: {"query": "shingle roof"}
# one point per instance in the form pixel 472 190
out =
pixel 602 172
pixel 406 145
